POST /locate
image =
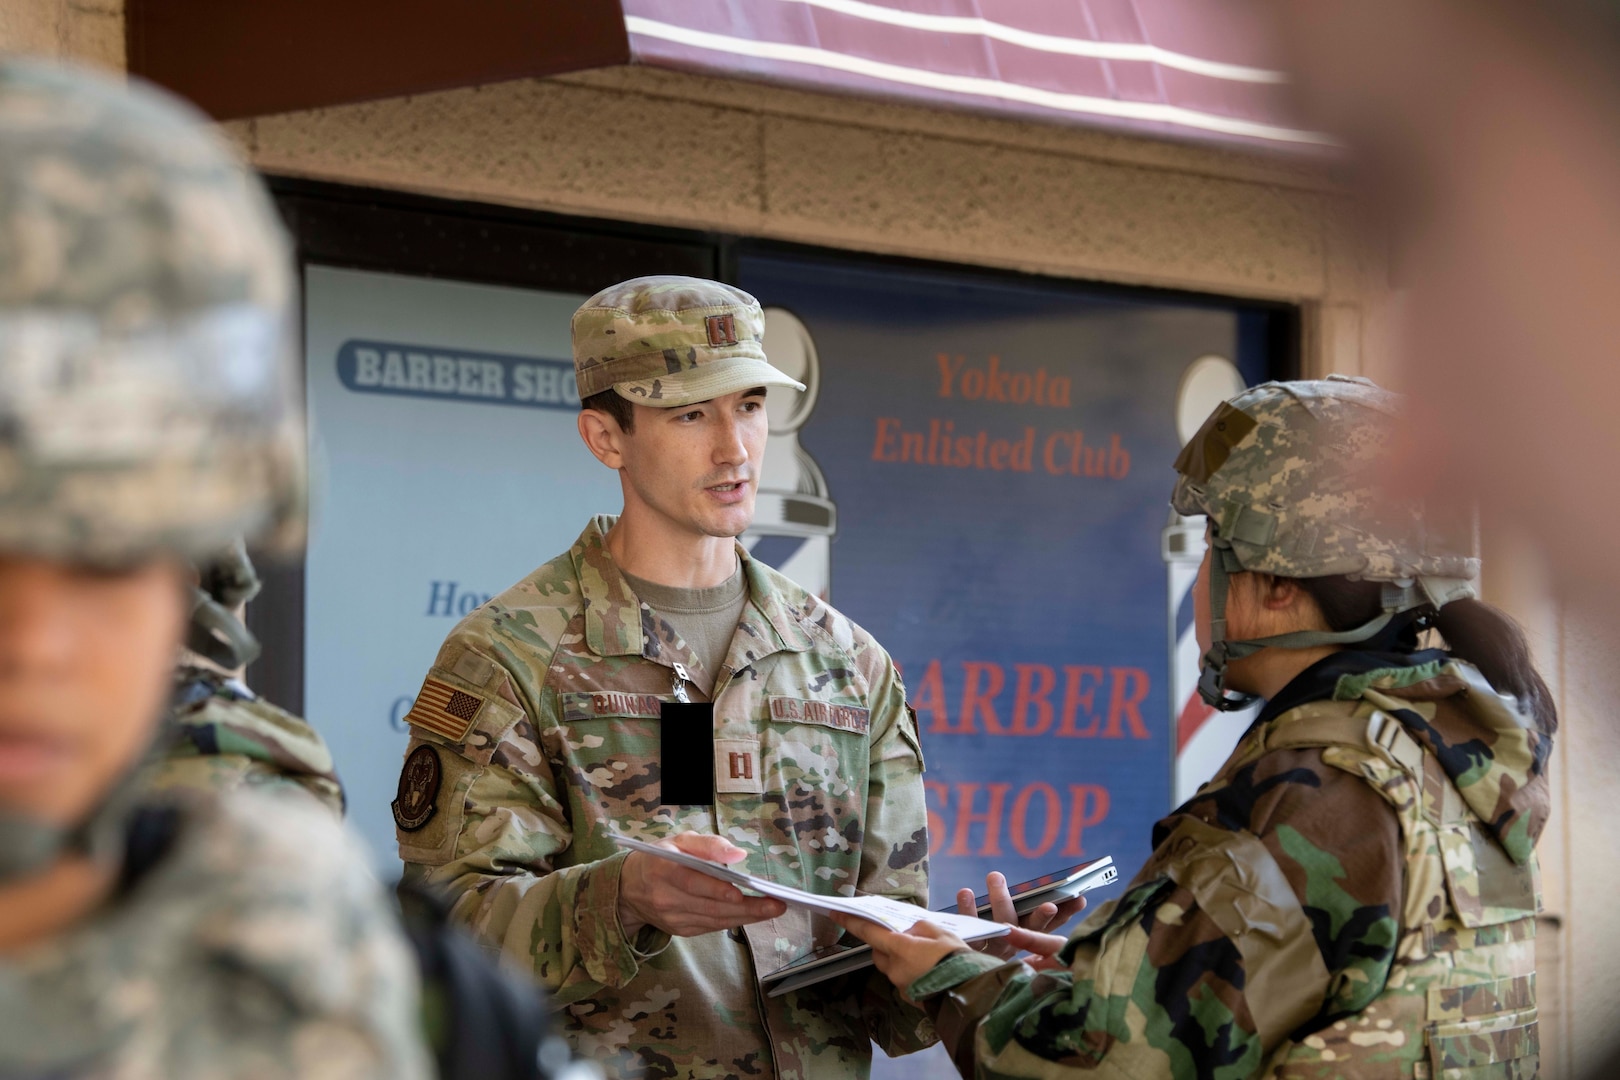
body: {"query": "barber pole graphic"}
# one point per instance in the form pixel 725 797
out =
pixel 794 519
pixel 1204 736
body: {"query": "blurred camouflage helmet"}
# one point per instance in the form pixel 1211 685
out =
pixel 1287 475
pixel 145 288
pixel 146 400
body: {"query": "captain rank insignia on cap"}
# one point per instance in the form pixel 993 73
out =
pixel 444 710
pixel 722 329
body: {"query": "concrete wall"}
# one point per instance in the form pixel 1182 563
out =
pixel 1589 844
pixel 645 145
pixel 674 149
pixel 91 31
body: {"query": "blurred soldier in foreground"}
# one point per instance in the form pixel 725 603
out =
pixel 1485 130
pixel 224 735
pixel 145 419
pixel 656 681
pixel 1353 894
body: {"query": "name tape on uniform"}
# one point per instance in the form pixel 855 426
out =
pixel 580 705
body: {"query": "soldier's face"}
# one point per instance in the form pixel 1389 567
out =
pixel 698 466
pixel 86 665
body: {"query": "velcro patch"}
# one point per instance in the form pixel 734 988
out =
pixel 825 713
pixel 737 767
pixel 417 800
pixel 445 710
pixel 583 706
pixel 722 329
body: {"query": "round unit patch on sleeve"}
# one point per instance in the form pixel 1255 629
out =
pixel 417 800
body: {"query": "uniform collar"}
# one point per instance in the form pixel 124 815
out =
pixel 617 623
pixel 1322 679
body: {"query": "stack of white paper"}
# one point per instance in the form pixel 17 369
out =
pixel 897 915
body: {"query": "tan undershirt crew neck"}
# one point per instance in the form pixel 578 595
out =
pixel 706 618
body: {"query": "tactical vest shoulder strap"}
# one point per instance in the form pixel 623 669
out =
pixel 1379 733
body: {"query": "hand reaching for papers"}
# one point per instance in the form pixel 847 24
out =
pixel 683 902
pixel 905 958
pixel 1029 932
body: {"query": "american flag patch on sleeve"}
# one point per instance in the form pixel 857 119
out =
pixel 444 710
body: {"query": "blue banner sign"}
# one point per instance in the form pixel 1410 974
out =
pixel 381 367
pixel 998 455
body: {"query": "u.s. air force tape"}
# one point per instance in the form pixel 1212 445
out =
pixel 445 710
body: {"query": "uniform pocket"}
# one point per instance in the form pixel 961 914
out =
pixel 1486 886
pixel 1484 1031
pixel 610 750
pixel 1502 1048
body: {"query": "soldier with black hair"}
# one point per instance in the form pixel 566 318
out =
pixel 1354 893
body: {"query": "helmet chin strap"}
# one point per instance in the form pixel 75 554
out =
pixel 217 635
pixel 1212 671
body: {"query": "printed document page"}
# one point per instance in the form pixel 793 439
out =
pixel 897 915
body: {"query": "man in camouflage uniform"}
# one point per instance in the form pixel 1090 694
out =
pixel 146 418
pixel 223 735
pixel 1354 894
pixel 548 723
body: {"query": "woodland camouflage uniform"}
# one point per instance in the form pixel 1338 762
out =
pixel 541 716
pixel 1354 894
pixel 223 736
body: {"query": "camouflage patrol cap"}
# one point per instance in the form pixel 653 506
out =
pixel 1286 473
pixel 668 341
pixel 146 401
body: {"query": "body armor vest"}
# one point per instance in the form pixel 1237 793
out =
pixel 1460 1002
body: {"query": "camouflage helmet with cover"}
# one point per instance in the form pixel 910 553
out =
pixel 146 404
pixel 1287 474
pixel 145 387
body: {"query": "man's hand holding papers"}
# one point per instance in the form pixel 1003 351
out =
pixel 697 855
pixel 678 899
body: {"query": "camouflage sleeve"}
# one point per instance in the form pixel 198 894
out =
pixel 1269 908
pixel 894 857
pixel 220 743
pixel 494 830
pixel 294 964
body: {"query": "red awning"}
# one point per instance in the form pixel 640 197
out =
pixel 1177 68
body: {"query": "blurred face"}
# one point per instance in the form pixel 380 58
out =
pixel 697 466
pixel 86 661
